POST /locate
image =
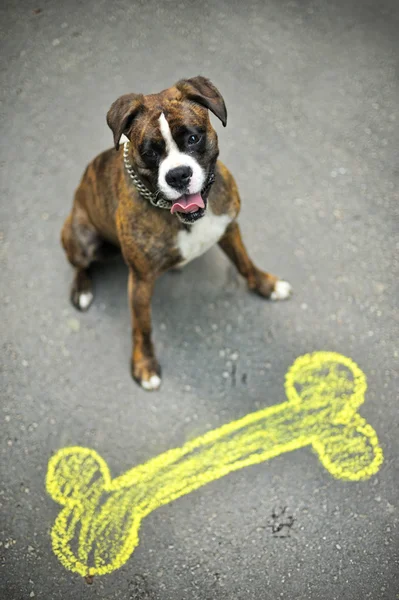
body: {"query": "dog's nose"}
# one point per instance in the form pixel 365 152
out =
pixel 179 177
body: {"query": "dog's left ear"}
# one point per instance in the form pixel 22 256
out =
pixel 122 113
pixel 202 91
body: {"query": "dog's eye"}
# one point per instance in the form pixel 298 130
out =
pixel 193 139
pixel 151 154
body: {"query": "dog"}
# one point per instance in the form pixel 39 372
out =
pixel 162 201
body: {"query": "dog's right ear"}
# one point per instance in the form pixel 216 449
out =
pixel 202 91
pixel 122 113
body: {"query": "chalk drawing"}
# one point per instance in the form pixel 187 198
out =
pixel 97 530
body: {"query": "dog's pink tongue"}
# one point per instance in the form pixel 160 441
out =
pixel 188 203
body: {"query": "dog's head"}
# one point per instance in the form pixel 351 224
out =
pixel 173 144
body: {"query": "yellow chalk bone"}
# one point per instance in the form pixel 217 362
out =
pixel 97 530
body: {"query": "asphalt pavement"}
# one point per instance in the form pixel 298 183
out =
pixel 312 138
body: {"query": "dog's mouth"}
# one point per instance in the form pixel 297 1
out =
pixel 189 207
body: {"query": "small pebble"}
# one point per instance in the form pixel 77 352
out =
pixel 74 325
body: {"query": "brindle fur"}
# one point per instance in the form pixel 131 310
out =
pixel 108 212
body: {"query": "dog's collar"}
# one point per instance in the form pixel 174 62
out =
pixel 154 197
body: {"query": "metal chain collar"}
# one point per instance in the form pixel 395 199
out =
pixel 154 198
pixel 144 191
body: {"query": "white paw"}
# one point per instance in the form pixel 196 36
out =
pixel 85 299
pixel 153 383
pixel 282 290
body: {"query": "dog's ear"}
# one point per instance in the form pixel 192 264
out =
pixel 122 113
pixel 202 91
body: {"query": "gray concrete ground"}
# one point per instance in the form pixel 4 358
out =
pixel 312 93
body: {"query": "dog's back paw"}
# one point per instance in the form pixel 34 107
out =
pixel 282 290
pixel 81 291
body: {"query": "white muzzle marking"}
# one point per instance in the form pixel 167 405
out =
pixel 174 158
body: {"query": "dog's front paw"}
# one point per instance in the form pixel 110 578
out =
pixel 147 373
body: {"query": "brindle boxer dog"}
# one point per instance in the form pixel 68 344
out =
pixel 163 201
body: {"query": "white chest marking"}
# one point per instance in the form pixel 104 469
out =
pixel 203 235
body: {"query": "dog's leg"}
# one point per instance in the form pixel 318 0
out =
pixel 83 245
pixel 145 368
pixel 264 284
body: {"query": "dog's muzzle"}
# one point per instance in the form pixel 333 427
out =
pixel 188 208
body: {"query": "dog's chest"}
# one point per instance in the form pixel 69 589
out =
pixel 202 236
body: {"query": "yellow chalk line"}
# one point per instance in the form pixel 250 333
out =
pixel 101 516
